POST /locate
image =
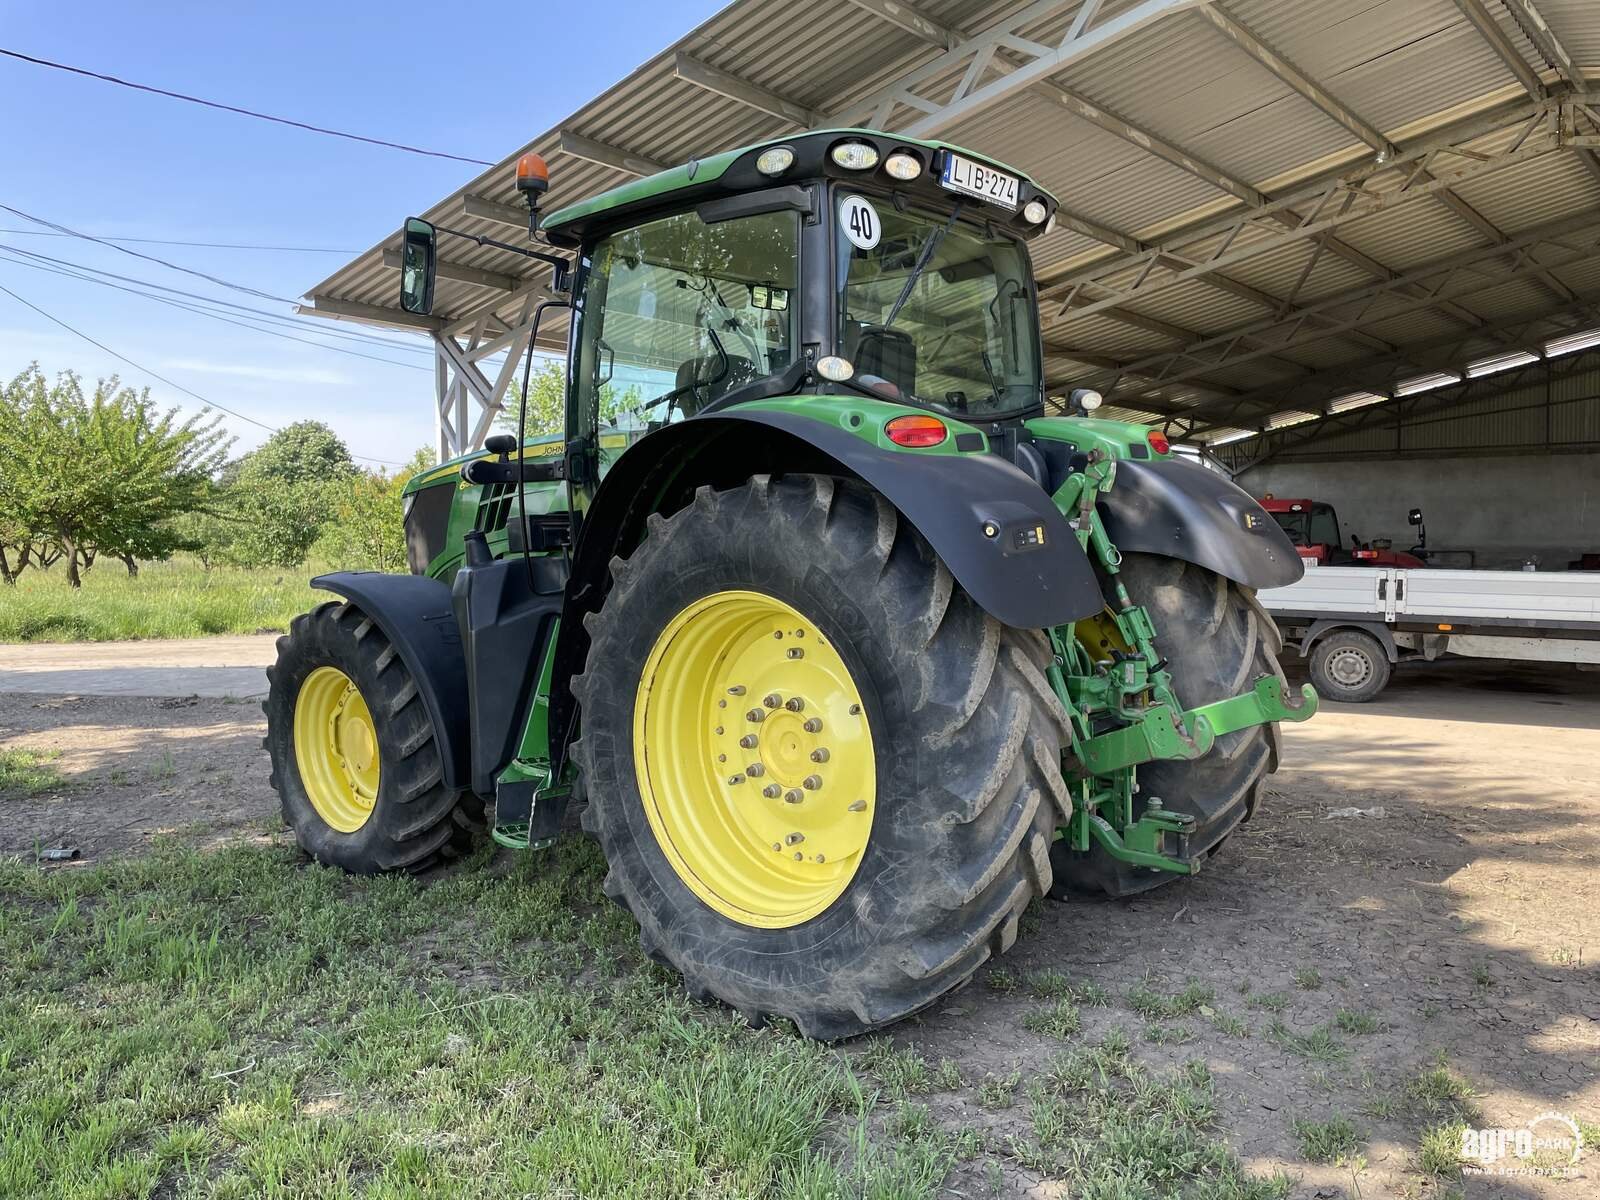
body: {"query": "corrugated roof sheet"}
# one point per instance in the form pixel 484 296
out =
pixel 1405 67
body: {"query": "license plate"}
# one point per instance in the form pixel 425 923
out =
pixel 963 175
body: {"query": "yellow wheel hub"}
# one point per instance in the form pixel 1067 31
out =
pixel 336 747
pixel 754 759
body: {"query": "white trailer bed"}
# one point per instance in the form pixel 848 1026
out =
pixel 1355 623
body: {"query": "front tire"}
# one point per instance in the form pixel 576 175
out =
pixel 931 853
pixel 355 758
pixel 1218 641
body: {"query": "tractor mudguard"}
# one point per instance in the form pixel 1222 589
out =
pixel 415 614
pixel 1180 510
pixel 1028 572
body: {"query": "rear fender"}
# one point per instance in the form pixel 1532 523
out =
pixel 415 614
pixel 1029 572
pixel 1174 508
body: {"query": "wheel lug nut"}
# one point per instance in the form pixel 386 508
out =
pixel 755 715
pixel 813 725
pixel 794 795
pixel 794 704
pixel 722 758
pixel 772 791
pixel 748 741
pixel 736 690
pixel 821 859
pixel 777 845
pixel 795 652
pixel 755 770
pixel 811 782
pixel 735 779
pixel 794 839
pixel 719 730
pixel 819 755
pixel 772 700
pixel 798 857
pixel 858 806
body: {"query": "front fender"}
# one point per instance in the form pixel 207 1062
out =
pixel 1180 510
pixel 414 613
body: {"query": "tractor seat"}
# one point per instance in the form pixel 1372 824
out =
pixel 887 353
pixel 703 371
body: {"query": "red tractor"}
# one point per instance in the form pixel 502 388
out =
pixel 1313 527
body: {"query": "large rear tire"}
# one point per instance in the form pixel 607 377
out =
pixel 355 759
pixel 939 789
pixel 1218 641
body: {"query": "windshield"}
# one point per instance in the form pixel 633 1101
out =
pixel 961 337
pixel 1319 527
pixel 677 313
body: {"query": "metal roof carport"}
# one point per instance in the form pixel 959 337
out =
pixel 1287 228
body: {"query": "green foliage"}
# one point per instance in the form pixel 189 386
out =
pixel 84 475
pixel 547 401
pixel 283 494
pixel 365 530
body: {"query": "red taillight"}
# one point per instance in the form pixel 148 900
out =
pixel 1364 554
pixel 915 432
pixel 1158 441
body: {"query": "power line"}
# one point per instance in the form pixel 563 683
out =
pixel 161 262
pixel 277 318
pixel 202 245
pixel 163 379
pixel 196 309
pixel 243 112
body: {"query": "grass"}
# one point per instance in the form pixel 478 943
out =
pixel 28 773
pixel 1331 1141
pixel 235 1024
pixel 1110 1127
pixel 1317 1044
pixel 1359 1023
pixel 1060 1018
pixel 1154 1005
pixel 1308 979
pixel 176 599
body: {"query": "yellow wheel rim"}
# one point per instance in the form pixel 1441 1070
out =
pixel 336 747
pixel 754 759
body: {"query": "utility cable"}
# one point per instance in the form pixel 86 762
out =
pixel 215 316
pixel 278 318
pixel 202 245
pixel 243 112
pixel 163 379
pixel 161 262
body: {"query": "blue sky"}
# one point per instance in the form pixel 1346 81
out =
pixel 106 160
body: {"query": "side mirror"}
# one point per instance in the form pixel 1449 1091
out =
pixel 417 266
pixel 1415 516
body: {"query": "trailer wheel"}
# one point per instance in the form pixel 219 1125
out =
pixel 1350 666
pixel 355 760
pixel 1218 641
pixel 824 780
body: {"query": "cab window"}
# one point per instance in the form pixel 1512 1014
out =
pixel 679 313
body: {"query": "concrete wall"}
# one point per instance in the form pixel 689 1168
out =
pixel 1504 508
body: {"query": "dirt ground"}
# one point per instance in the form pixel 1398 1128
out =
pixel 1463 921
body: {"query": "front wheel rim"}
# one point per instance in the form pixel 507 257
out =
pixel 336 749
pixel 754 758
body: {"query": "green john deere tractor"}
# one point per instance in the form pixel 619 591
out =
pixel 849 648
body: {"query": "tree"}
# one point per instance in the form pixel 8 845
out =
pixel 547 401
pixel 367 530
pixel 284 492
pixel 103 474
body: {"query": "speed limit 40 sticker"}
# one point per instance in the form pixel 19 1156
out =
pixel 859 222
